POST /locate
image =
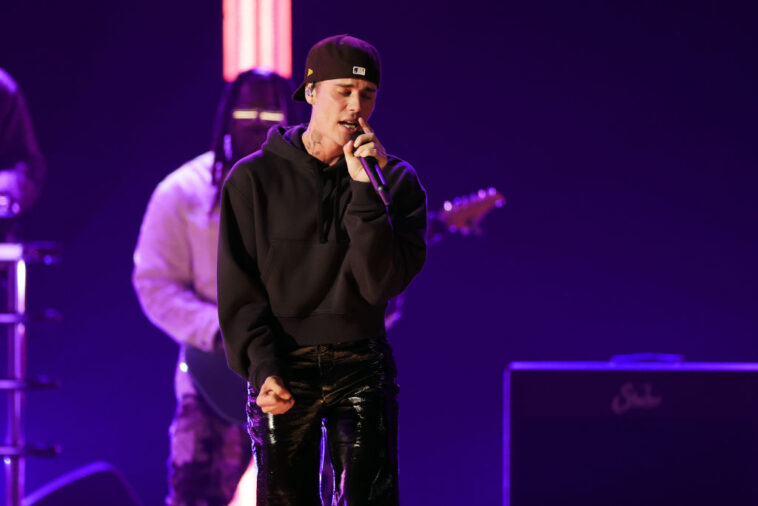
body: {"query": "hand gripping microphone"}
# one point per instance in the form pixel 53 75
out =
pixel 374 173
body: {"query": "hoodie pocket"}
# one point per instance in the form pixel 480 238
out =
pixel 299 275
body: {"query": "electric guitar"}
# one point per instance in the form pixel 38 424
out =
pixel 226 392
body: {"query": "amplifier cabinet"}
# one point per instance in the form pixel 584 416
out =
pixel 637 434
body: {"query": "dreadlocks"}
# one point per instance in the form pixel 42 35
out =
pixel 225 152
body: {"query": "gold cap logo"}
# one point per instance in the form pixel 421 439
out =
pixel 310 71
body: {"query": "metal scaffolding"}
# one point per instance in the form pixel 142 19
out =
pixel 14 258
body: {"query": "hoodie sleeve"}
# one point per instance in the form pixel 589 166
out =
pixel 387 249
pixel 247 323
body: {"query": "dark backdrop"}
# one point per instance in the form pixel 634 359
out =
pixel 622 134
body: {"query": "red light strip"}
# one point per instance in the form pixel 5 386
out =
pixel 257 33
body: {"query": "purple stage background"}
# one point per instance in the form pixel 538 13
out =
pixel 622 135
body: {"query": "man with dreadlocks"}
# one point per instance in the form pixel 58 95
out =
pixel 175 281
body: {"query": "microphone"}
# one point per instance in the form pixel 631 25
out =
pixel 374 173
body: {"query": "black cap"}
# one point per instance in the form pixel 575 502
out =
pixel 339 57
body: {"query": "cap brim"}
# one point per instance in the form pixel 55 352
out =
pixel 300 93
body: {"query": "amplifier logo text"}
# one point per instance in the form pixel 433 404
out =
pixel 630 397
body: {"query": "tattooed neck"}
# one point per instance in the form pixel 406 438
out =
pixel 313 141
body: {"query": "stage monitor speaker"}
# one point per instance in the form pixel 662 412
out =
pixel 96 484
pixel 637 434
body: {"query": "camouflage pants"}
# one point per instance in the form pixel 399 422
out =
pixel 208 455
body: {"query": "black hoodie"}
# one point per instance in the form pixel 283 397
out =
pixel 307 255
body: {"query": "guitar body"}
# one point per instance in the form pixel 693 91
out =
pixel 220 387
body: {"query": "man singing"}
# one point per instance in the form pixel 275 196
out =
pixel 308 257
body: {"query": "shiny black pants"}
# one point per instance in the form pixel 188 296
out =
pixel 350 389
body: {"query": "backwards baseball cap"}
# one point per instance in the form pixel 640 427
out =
pixel 339 57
